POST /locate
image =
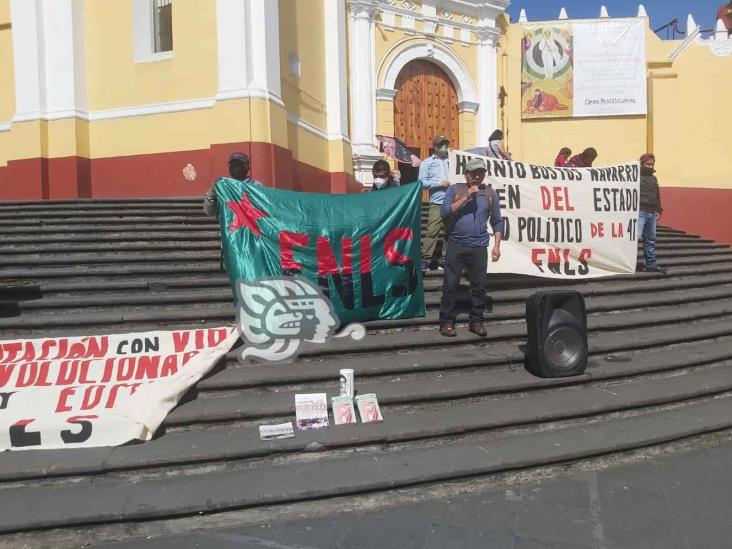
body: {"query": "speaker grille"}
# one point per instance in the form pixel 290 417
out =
pixel 564 347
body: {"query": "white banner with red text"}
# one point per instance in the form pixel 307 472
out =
pixel 76 392
pixel 562 223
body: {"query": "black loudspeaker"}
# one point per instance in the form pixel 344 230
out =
pixel 557 327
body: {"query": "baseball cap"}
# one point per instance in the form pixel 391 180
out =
pixel 475 164
pixel 440 139
pixel 239 156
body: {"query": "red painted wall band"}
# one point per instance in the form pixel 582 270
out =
pixel 161 175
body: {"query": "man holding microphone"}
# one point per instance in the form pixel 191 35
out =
pixel 466 210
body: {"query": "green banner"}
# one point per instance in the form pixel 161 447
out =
pixel 362 250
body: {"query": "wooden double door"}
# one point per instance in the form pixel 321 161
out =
pixel 426 105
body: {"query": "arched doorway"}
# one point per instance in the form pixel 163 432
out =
pixel 426 105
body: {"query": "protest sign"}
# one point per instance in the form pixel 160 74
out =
pixel 362 250
pixel 74 392
pixel 562 223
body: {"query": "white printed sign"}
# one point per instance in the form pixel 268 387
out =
pixel 562 222
pixel 76 392
pixel 584 68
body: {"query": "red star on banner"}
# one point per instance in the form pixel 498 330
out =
pixel 245 215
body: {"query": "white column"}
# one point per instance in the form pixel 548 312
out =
pixel 50 59
pixel 487 84
pixel 248 38
pixel 363 89
pixel 336 85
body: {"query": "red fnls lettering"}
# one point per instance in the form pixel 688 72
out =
pixel 180 341
pixel 67 372
pixel 199 339
pixel 6 370
pixel 287 255
pixel 10 351
pixel 170 366
pixel 63 396
pixel 556 199
pixel 27 374
pixel 535 255
pixel 187 357
pixel 92 397
pixel 585 255
pixel 365 254
pixel 84 372
pixel 147 367
pixel 42 380
pixel 215 337
pixel 327 264
pixel 390 252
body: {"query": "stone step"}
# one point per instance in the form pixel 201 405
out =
pixel 81 504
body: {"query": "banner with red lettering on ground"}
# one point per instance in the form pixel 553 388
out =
pixel 76 392
pixel 562 222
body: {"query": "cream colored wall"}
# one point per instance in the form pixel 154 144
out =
pixel 687 109
pixel 692 122
pixel 617 139
pixel 115 80
pixel 301 31
pixel 7 79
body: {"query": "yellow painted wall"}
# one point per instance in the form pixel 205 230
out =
pixel 7 79
pixel 693 121
pixel 115 80
pixel 689 117
pixel 301 32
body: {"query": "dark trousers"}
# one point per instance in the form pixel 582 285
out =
pixel 475 260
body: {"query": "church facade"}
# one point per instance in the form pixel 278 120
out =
pixel 142 98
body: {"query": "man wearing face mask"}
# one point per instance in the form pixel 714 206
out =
pixel 467 209
pixel 434 175
pixel 239 170
pixel 650 212
pixel 384 178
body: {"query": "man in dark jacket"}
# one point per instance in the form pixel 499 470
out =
pixel 650 212
pixel 239 170
pixel 466 210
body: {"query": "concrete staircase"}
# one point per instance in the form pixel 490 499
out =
pixel 661 347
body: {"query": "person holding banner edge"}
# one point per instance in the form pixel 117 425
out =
pixel 466 210
pixel 434 176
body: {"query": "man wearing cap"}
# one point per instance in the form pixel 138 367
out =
pixel 239 170
pixel 434 175
pixel 467 208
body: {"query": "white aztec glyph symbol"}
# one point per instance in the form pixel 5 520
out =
pixel 275 315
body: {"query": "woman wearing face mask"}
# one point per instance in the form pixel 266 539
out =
pixel 650 212
pixel 384 178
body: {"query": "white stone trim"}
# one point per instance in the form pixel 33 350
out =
pixel 143 33
pixel 336 73
pixel 300 123
pixel 467 106
pixel 435 52
pixel 248 50
pixel 152 109
pixel 5 126
pixel 386 94
pixel 49 59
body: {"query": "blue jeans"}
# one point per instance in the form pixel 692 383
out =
pixel 647 232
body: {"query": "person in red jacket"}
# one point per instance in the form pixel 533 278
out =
pixel 562 159
pixel 584 159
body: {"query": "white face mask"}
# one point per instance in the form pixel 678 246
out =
pixel 379 182
pixel 442 150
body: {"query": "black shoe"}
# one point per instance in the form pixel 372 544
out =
pixel 655 269
pixel 477 328
pixel 447 329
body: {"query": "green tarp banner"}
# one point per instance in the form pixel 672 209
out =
pixel 362 250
